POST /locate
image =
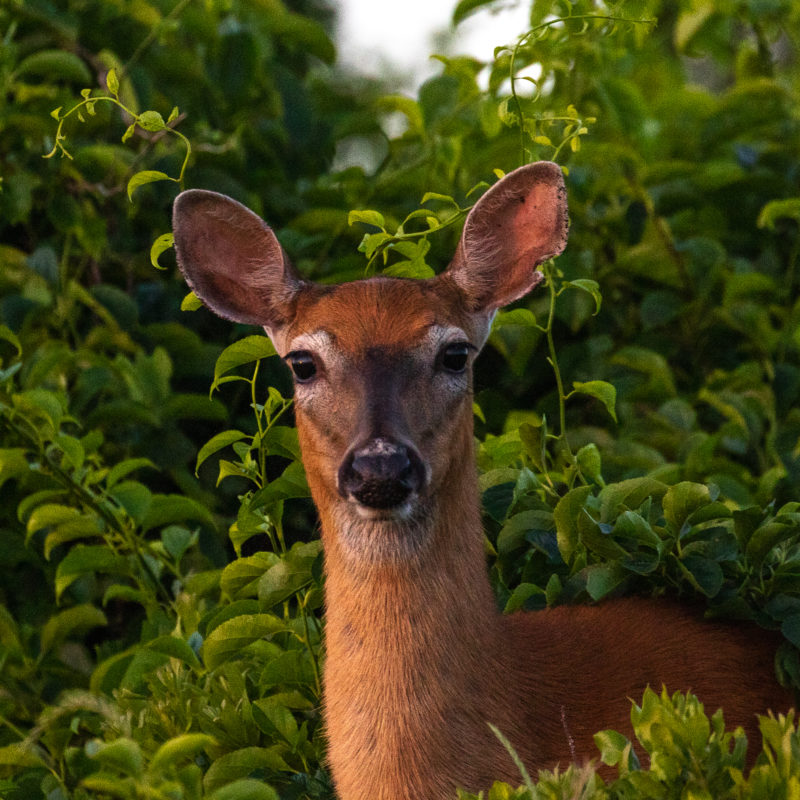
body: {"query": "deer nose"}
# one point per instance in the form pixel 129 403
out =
pixel 381 474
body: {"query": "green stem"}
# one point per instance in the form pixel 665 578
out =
pixel 262 455
pixel 518 103
pixel 311 651
pixel 551 347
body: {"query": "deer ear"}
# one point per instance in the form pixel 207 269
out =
pixel 232 260
pixel 519 223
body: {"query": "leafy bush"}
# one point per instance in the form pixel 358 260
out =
pixel 160 627
pixel 690 755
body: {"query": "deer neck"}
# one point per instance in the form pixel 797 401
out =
pixel 440 592
pixel 408 656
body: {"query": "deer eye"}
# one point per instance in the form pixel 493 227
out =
pixel 302 365
pixel 454 356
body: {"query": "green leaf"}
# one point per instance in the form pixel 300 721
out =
pixel 169 508
pixel 409 269
pixel 517 317
pixel 162 243
pixel 659 380
pixel 112 82
pixel 7 335
pixel 123 755
pixel 705 574
pixel 602 579
pixel 521 595
pixel 614 747
pixel 292 668
pixel 273 717
pixel 179 749
pixel 590 463
pixel 71 622
pixel 245 351
pixel 291 484
pixel 289 575
pixel 124 468
pixel 586 285
pixel 143 177
pixel 13 464
pixel 177 540
pixel 217 443
pixel 605 392
pixel 442 198
pixel 779 209
pixel 54 65
pixel 139 669
pixel 245 789
pixel 81 527
pixel 765 537
pixel 41 403
pixel 191 302
pixel 630 525
pixel 372 242
pixel 240 578
pixel 566 514
pixel 100 784
pixel 174 647
pixel 72 450
pixel 466 7
pixel 21 754
pixel 241 763
pixel 50 515
pixel 124 592
pixel 308 35
pixel 228 639
pixel 367 217
pixel 512 534
pixel 134 497
pixel 628 495
pixel 281 440
pixel 683 500
pixel 151 121
pixel 87 560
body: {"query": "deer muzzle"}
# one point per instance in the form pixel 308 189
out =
pixel 381 474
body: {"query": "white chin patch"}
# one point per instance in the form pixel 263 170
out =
pixel 401 513
pixel 377 536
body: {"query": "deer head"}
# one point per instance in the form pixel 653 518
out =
pixel 382 366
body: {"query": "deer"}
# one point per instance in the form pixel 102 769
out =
pixel 418 657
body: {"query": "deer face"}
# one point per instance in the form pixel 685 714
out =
pixel 382 373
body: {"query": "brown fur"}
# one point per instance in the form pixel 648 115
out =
pixel 418 658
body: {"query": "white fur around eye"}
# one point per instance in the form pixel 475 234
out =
pixel 319 342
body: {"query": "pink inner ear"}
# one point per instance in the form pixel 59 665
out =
pixel 238 242
pixel 537 229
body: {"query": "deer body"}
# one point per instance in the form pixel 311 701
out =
pixel 418 658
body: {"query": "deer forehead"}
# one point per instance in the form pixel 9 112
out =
pixel 391 316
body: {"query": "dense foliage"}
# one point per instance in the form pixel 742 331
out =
pixel 638 418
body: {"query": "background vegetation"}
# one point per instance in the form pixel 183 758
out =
pixel 638 418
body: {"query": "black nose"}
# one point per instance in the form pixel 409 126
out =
pixel 381 473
